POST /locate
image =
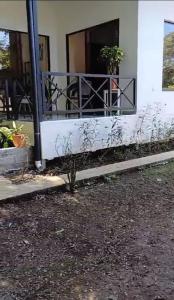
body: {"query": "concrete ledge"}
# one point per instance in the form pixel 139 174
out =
pixel 15 158
pixel 41 183
pixel 10 190
pixel 125 165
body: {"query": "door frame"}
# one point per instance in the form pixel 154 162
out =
pixel 86 31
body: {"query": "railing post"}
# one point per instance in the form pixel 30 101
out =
pixel 7 98
pixel 134 93
pixel 31 6
pixel 80 95
pixel 110 95
pixel 43 95
pixel 14 103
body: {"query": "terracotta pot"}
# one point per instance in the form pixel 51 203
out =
pixel 19 140
pixel 114 84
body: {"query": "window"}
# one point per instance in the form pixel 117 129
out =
pixel 168 56
pixel 4 50
pixel 15 55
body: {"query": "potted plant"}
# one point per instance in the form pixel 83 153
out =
pixel 112 56
pixel 19 139
pixel 6 139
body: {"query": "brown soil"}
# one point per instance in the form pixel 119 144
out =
pixel 111 240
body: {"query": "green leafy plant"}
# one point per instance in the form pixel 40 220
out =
pixel 112 56
pixel 6 139
pixel 16 129
pixel 8 136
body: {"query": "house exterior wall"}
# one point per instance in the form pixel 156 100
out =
pixel 141 36
pixel 58 18
pixel 78 15
pixel 155 108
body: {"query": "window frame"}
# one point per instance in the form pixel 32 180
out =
pixel 26 32
pixel 164 89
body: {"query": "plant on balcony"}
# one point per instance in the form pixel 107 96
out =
pixel 112 56
pixel 19 139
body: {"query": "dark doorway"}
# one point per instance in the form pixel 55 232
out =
pixel 83 56
pixel 83 47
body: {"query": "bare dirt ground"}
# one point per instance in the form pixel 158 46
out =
pixel 112 240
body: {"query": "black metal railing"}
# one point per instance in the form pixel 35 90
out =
pixel 78 95
pixel 15 99
pixel 69 95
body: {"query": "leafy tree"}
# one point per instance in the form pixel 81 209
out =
pixel 168 62
pixel 4 52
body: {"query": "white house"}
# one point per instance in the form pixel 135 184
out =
pixel 140 106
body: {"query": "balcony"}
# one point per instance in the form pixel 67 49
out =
pixel 69 95
pixel 74 95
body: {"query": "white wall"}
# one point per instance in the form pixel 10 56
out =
pixel 67 135
pixel 61 137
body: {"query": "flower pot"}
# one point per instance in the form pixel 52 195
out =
pixel 19 140
pixel 114 84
